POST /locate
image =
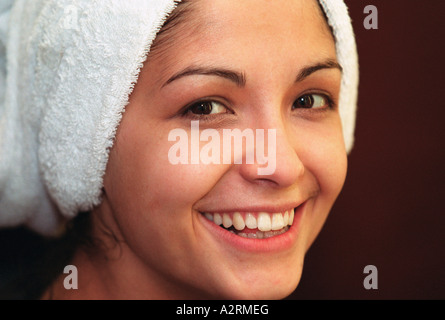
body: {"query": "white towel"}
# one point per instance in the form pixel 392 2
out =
pixel 67 68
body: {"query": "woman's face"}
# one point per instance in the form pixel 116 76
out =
pixel 252 64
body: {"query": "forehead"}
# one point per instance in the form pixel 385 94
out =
pixel 248 30
pixel 272 15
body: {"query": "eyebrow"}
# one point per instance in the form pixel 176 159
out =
pixel 328 64
pixel 239 78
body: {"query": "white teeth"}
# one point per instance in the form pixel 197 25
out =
pixel 217 219
pixel 238 221
pixel 264 223
pixel 251 222
pixel 286 218
pixel 277 221
pixel 267 224
pixel 227 221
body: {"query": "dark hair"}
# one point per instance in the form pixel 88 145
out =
pixel 174 19
pixel 30 262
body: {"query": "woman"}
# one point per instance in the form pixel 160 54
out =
pixel 164 229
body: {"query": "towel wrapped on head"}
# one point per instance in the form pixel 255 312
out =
pixel 67 69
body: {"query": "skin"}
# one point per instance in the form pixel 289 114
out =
pixel 165 249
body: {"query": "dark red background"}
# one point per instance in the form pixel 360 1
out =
pixel 391 212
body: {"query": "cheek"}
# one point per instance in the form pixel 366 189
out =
pixel 151 199
pixel 321 149
pixel 326 160
pixel 329 166
pixel 141 179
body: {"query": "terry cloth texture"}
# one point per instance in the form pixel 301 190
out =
pixel 67 69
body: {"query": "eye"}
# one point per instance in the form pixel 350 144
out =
pixel 311 101
pixel 207 108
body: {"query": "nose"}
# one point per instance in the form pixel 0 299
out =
pixel 276 158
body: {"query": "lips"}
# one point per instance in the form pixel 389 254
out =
pixel 253 225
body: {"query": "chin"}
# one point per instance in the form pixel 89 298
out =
pixel 270 289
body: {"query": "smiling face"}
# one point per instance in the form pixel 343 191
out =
pixel 252 64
